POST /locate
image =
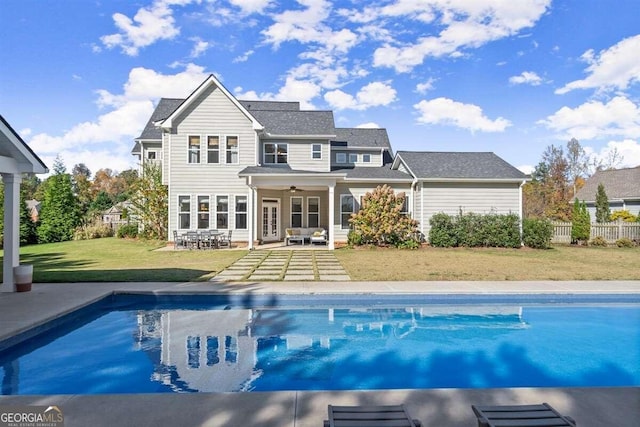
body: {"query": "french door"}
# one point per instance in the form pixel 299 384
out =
pixel 270 220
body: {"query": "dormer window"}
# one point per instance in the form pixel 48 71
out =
pixel 341 158
pixel 275 153
pixel 316 151
pixel 366 158
pixel 353 158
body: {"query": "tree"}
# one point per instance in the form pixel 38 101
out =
pixel 577 163
pixel 383 220
pixel 149 200
pixel 59 213
pixel 81 179
pixel 580 223
pixel 602 205
pixel 548 194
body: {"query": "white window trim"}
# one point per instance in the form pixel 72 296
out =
pixel 228 212
pixel 226 137
pixel 309 210
pixel 198 212
pixel 365 156
pixel 301 210
pixel 276 144
pixel 189 150
pixel 342 196
pixel 353 155
pixel 315 151
pixel 206 142
pixel 341 155
pixel 179 212
pixel 235 212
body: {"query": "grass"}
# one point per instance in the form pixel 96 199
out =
pixel 559 263
pixel 120 260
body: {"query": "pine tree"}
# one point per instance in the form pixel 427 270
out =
pixel 580 223
pixel 603 214
pixel 59 213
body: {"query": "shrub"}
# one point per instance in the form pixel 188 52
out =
pixel 442 233
pixel 625 242
pixel 624 215
pixel 92 231
pixel 537 233
pixel 580 223
pixel 599 241
pixel 354 239
pixel 128 230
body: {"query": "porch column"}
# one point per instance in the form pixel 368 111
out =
pixel 252 206
pixel 11 229
pixel 332 208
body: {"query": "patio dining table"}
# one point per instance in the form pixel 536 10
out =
pixel 201 239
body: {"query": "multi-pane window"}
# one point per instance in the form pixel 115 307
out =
pixel 275 153
pixel 366 158
pixel 316 151
pixel 194 149
pixel 241 212
pixel 203 212
pixel 313 212
pixel 222 212
pixel 213 345
pixel 232 149
pixel 213 149
pixel 347 207
pixel 296 212
pixel 353 158
pixel 405 206
pixel 193 352
pixel 184 212
pixel 341 157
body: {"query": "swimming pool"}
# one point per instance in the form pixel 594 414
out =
pixel 151 344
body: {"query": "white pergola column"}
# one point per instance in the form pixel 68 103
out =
pixel 11 229
pixel 332 215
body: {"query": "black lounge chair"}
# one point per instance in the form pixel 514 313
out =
pixel 370 416
pixel 521 416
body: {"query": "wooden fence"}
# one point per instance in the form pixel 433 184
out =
pixel 610 231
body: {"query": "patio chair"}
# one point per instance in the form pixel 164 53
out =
pixel 370 416
pixel 178 241
pixel 192 240
pixel 319 236
pixel 521 416
pixel 206 240
pixel 225 240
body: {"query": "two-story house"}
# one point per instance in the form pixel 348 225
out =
pixel 258 167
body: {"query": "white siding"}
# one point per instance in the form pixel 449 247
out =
pixel 211 114
pixel 299 154
pixel 376 158
pixel 482 198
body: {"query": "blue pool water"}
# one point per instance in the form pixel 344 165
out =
pixel 130 344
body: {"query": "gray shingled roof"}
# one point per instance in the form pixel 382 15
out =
pixel 425 165
pixel 269 105
pixel 618 184
pixel 296 122
pixel 379 173
pixel 363 137
pixel 165 107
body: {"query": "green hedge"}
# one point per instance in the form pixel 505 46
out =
pixel 537 233
pixel 475 230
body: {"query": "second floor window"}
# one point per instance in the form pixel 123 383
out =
pixel 353 158
pixel 316 151
pixel 275 153
pixel 341 157
pixel 213 149
pixel 194 149
pixel 232 149
pixel 366 158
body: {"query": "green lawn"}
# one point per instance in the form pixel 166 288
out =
pixel 120 260
pixel 559 263
pixel 112 259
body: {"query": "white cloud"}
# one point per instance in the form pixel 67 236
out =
pixel 426 86
pixel 127 114
pixel 629 149
pixel 527 77
pixel 374 94
pixel 148 25
pixel 619 117
pixel 615 68
pixel 466 25
pixel 527 169
pixel 446 111
pixel 244 57
pixel 293 90
pixel 368 125
pixel 199 47
pixel 251 6
pixel 25 132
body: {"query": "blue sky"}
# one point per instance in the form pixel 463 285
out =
pixel 80 78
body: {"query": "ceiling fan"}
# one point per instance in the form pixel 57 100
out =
pixel 294 189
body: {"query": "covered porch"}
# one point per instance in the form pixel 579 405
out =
pixel 16 159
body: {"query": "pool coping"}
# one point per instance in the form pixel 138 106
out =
pixel 591 407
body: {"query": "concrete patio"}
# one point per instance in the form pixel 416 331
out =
pixel 591 407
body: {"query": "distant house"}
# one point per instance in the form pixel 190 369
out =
pixel 621 185
pixel 116 214
pixel 259 167
pixel 33 206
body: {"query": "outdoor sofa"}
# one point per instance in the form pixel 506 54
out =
pixel 300 235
